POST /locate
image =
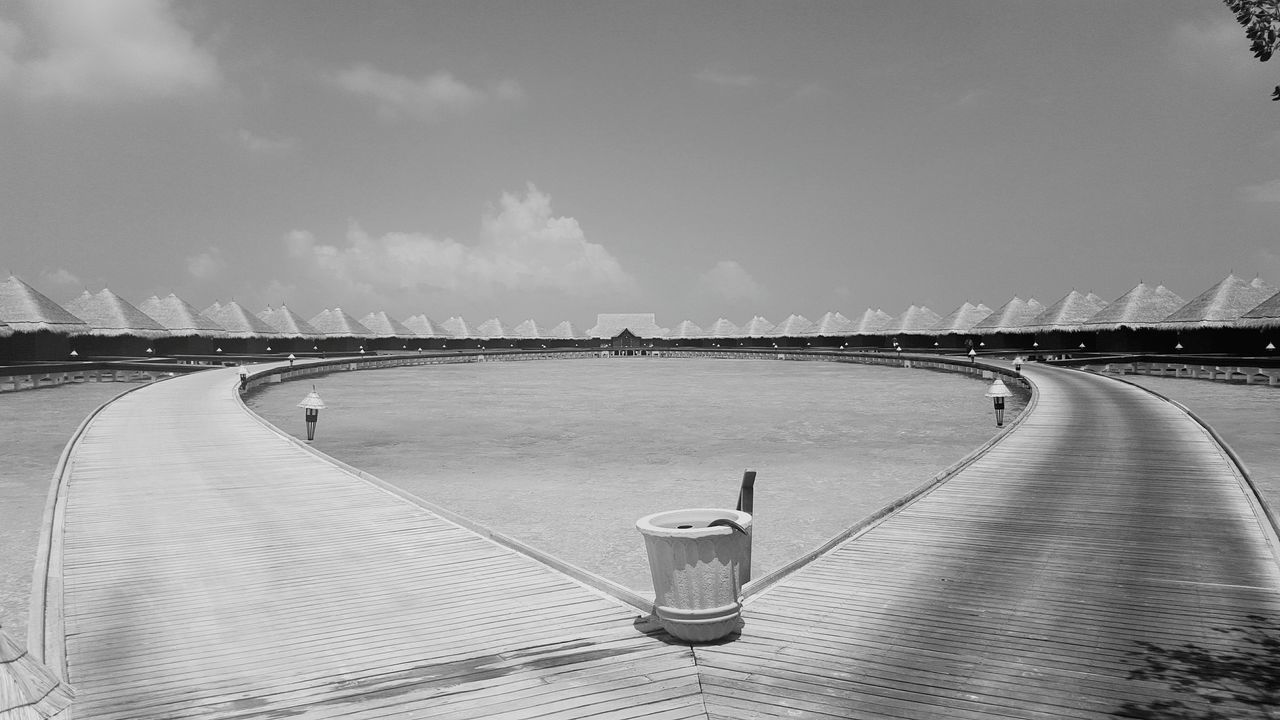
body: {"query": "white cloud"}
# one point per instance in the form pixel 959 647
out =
pixel 432 98
pixel 1267 192
pixel 94 51
pixel 729 280
pixel 725 78
pixel 522 247
pixel 206 264
pixel 259 144
pixel 61 277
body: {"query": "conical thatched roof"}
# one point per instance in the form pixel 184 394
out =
pixel 722 328
pixel 1142 306
pixel 492 328
pixel 1067 314
pixel 1265 315
pixel 336 323
pixel 28 689
pixel 288 323
pixel 384 326
pixel 962 319
pixel 24 309
pixel 565 331
pixel 109 315
pixel 872 322
pixel 643 325
pixel 686 330
pixel 423 326
pixel 180 318
pixel 793 326
pixel 238 322
pixel 832 324
pixel 757 326
pixel 915 319
pixel 1220 305
pixel 457 327
pixel 1012 317
pixel 528 329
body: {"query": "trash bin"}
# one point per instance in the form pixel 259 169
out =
pixel 699 559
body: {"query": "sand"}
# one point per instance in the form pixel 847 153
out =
pixel 566 455
pixel 35 425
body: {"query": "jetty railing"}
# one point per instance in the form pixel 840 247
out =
pixel 1252 370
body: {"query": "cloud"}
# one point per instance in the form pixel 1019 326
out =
pixel 206 264
pixel 729 280
pixel 432 98
pixel 265 145
pixel 95 51
pixel 61 277
pixel 522 247
pixel 1267 192
pixel 724 78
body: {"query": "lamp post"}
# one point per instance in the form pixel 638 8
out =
pixel 312 405
pixel 998 392
pixel 1017 364
pixel 150 352
pixel 291 359
pixel 1271 346
pixel 973 355
pixel 75 354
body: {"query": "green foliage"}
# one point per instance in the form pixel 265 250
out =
pixel 1261 22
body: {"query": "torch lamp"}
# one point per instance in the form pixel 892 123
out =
pixel 312 404
pixel 998 392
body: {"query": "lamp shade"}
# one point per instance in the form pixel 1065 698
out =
pixel 312 401
pixel 998 390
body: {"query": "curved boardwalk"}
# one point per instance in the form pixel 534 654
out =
pixel 213 569
pixel 1099 560
pixel 1104 559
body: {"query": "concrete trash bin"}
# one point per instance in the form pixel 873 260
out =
pixel 699 561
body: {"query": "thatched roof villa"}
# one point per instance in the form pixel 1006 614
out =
pixel 872 322
pixel 109 315
pixel 423 326
pixel 757 326
pixel 289 324
pixel 962 319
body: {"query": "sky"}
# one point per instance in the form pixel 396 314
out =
pixel 554 160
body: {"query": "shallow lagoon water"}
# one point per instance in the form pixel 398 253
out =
pixel 565 455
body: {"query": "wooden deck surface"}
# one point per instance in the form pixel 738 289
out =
pixel 214 570
pixel 1102 560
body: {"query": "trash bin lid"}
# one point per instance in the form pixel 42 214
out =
pixel 693 522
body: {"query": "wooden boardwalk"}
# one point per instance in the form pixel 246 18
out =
pixel 213 569
pixel 1101 560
